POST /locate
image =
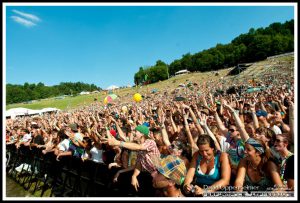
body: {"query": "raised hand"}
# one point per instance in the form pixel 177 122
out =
pixel 213 109
pixel 112 119
pixel 252 106
pixel 203 119
pixel 185 115
pixel 228 106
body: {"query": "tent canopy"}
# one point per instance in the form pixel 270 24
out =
pixel 24 111
pixel 181 72
pixel 112 87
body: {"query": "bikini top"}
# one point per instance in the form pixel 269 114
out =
pixel 213 175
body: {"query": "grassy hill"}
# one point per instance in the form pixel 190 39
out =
pixel 283 65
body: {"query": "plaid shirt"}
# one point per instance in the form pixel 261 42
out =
pixel 149 158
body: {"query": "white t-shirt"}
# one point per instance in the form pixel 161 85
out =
pixel 223 144
pixel 26 137
pixel 96 155
pixel 64 145
pixel 276 129
pixel 78 136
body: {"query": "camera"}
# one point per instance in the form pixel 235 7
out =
pixel 193 190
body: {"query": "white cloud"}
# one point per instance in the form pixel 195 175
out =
pixel 23 21
pixel 28 16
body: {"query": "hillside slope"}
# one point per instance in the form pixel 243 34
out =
pixel 281 65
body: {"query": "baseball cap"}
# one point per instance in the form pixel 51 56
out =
pixel 143 129
pixel 261 113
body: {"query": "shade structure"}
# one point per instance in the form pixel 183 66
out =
pixel 255 89
pixel 112 87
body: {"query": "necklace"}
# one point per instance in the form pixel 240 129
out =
pixel 208 161
pixel 255 168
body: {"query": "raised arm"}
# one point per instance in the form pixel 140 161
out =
pixel 164 131
pixel 173 123
pixel 188 132
pixel 253 114
pixel 203 123
pixel 220 124
pixel 199 128
pixel 261 103
pixel 120 131
pixel 239 124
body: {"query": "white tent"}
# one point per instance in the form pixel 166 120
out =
pixel 182 72
pixel 112 87
pixel 24 111
pixel 83 93
pixel 44 110
pixel 16 112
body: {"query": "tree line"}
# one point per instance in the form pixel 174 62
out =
pixel 255 45
pixel 28 92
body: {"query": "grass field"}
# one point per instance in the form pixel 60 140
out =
pixel 283 65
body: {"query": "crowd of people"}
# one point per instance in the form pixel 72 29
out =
pixel 192 142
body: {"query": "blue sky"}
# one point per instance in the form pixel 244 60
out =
pixel 106 45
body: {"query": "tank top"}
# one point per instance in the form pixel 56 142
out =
pixel 213 176
pixel 262 185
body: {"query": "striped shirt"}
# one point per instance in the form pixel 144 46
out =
pixel 149 158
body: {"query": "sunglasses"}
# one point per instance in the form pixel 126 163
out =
pixel 277 140
pixel 231 130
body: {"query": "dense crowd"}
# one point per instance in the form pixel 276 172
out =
pixel 193 140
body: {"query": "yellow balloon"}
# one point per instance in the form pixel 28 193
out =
pixel 137 97
pixel 105 101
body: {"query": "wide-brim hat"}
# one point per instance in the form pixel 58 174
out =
pixel 173 168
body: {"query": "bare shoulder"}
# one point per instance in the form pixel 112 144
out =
pixel 271 165
pixel 224 156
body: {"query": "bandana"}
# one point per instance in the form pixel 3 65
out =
pixel 256 145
